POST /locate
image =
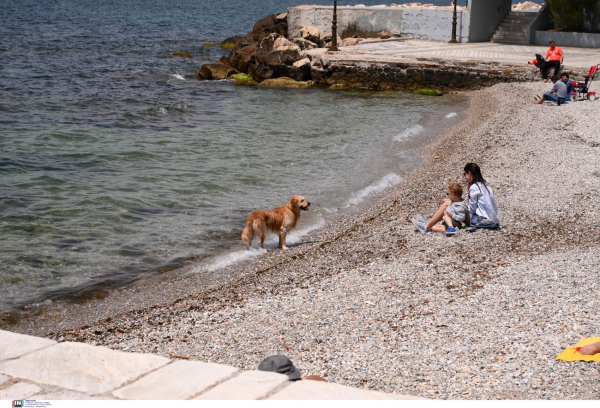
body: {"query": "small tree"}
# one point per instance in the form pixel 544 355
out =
pixel 573 15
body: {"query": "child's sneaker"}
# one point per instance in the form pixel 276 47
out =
pixel 420 224
pixel 421 218
pixel 451 231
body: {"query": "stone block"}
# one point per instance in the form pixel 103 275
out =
pixel 177 381
pixel 19 391
pixel 14 345
pixel 3 379
pixel 249 385
pixel 316 390
pixel 81 367
pixel 64 395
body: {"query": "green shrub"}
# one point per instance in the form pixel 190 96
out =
pixel 228 46
pixel 209 44
pixel 570 15
pixel 429 92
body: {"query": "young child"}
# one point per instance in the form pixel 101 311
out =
pixel 454 215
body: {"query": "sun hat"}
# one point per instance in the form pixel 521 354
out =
pixel 282 365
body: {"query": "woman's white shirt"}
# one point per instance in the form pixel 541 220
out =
pixel 482 202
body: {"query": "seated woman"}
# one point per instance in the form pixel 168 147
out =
pixel 482 204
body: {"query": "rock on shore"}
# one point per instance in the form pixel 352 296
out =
pixel 372 303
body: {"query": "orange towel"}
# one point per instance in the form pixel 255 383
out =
pixel 573 354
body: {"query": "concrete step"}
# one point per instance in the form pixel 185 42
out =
pixel 509 40
pixel 512 42
pixel 516 20
pixel 513 32
pixel 529 14
pixel 509 26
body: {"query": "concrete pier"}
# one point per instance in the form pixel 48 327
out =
pixel 33 368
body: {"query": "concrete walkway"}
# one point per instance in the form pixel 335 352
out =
pixel 34 368
pixel 398 50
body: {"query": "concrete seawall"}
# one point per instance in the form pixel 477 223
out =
pixel 442 75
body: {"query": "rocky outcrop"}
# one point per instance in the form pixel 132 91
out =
pixel 216 71
pixel 349 42
pixel 231 42
pixel 260 72
pixel 276 42
pixel 242 56
pixel 283 83
pixel 266 26
pixel 304 44
pixel 312 34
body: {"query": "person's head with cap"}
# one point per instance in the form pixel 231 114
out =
pixel 282 365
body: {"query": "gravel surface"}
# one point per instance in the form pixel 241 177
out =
pixel 372 303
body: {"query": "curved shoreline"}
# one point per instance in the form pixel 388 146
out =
pixel 99 302
pixel 374 304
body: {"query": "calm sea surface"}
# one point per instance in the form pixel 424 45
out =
pixel 117 163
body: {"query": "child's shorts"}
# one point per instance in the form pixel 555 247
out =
pixel 455 224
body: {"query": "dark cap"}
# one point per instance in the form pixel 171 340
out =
pixel 280 364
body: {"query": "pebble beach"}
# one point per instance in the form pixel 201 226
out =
pixel 370 302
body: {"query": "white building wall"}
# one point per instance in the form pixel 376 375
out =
pixel 435 24
pixel 426 24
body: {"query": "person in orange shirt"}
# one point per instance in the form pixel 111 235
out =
pixel 554 59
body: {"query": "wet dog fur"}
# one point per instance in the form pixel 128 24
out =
pixel 280 220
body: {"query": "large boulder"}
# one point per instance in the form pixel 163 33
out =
pixel 283 44
pixel 242 56
pixel 349 42
pixel 281 18
pixel 285 57
pixel 312 34
pixel 304 44
pixel 260 72
pixel 266 26
pixel 216 71
pixel 298 73
pixel 231 42
pixel 268 42
pixel 283 83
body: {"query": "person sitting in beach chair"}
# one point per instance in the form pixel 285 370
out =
pixel 554 59
pixel 557 95
pixel 453 213
pixel 569 83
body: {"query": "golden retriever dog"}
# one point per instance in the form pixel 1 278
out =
pixel 280 220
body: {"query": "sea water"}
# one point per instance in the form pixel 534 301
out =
pixel 116 163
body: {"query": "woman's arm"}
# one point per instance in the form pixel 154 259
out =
pixel 474 194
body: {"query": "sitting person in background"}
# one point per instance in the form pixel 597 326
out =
pixel 454 212
pixel 556 95
pixel 569 83
pixel 554 59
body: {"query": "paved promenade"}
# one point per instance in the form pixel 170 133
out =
pixel 396 50
pixel 34 368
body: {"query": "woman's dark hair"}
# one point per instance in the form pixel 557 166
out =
pixel 475 171
pixel 564 74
